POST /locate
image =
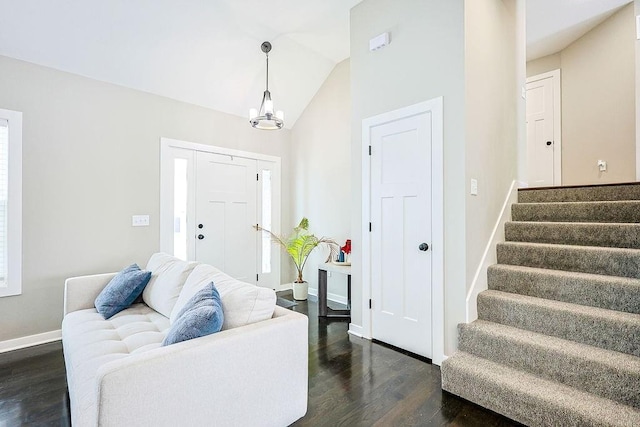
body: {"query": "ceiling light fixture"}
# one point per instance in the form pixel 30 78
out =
pixel 265 118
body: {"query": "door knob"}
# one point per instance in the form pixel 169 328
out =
pixel 200 226
pixel 200 236
pixel 423 247
pixel 549 142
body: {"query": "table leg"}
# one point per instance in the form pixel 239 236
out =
pixel 348 291
pixel 322 293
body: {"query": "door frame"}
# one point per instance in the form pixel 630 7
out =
pixel 166 211
pixel 435 107
pixel 555 76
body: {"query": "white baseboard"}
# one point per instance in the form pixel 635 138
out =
pixel 29 341
pixel 489 257
pixel 355 330
pixel 330 297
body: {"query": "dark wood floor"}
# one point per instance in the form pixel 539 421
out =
pixel 352 382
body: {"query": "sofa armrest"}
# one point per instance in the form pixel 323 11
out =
pixel 254 375
pixel 81 292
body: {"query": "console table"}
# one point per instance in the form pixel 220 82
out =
pixel 323 309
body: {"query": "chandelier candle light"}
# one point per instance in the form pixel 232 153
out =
pixel 265 118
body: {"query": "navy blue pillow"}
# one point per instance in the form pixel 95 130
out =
pixel 122 290
pixel 201 315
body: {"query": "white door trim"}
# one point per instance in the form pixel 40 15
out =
pixel 557 121
pixel 435 107
pixel 165 143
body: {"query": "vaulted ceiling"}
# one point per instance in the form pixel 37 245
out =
pixel 204 52
pixel 553 25
pixel 207 52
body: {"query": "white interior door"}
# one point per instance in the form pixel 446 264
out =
pixel 401 226
pixel 226 213
pixel 543 130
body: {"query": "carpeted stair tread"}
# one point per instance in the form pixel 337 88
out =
pixel 595 290
pixel 586 259
pixel 529 399
pixel 609 374
pixel 608 329
pixel 618 235
pixel 622 191
pixel 608 211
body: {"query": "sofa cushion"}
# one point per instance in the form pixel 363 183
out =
pixel 122 290
pixel 201 316
pixel 90 341
pixel 242 303
pixel 168 275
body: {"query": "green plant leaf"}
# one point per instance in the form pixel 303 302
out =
pixel 301 243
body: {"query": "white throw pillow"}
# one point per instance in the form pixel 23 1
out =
pixel 242 303
pixel 168 275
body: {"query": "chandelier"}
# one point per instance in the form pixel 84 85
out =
pixel 265 117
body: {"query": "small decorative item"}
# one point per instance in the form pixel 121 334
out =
pixel 344 257
pixel 299 246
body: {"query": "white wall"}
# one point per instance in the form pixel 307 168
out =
pixel 544 64
pixel 91 154
pixel 424 60
pixel 598 86
pixel 598 103
pixel 492 98
pixel 321 171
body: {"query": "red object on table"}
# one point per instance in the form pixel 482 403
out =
pixel 347 247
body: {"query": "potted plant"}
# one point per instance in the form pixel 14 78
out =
pixel 299 246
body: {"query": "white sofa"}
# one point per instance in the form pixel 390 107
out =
pixel 252 373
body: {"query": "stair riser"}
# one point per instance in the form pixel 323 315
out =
pixel 612 262
pixel 611 293
pixel 582 234
pixel 616 335
pixel 527 409
pixel 580 194
pixel 620 212
pixel 611 382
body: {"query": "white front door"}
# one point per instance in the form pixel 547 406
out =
pixel 543 137
pixel 401 230
pixel 226 213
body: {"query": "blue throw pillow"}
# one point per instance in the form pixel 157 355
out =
pixel 122 290
pixel 202 315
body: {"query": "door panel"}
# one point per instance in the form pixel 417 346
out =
pixel 401 221
pixel 226 208
pixel 540 131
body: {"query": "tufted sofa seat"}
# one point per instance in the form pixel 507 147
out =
pixel 253 372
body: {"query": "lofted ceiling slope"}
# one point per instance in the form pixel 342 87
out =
pixel 204 52
pixel 553 25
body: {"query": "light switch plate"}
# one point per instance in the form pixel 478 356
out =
pixel 140 220
pixel 474 187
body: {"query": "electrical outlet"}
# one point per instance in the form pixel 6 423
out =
pixel 602 165
pixel 140 221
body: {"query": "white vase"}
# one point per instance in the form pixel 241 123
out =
pixel 300 291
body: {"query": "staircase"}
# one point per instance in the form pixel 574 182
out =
pixel 557 340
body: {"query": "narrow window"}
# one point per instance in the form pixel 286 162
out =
pixel 180 208
pixel 4 196
pixel 10 203
pixel 266 220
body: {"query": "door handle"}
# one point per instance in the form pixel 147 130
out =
pixel 200 226
pixel 549 142
pixel 423 247
pixel 200 237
